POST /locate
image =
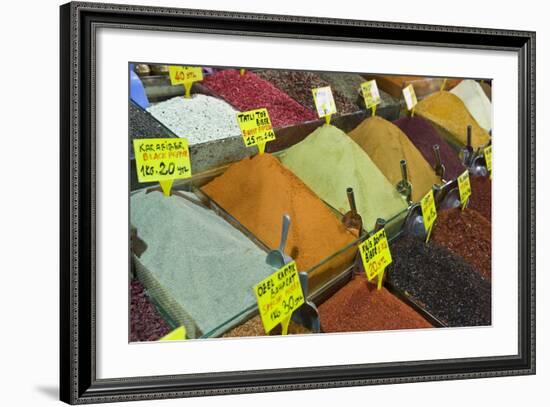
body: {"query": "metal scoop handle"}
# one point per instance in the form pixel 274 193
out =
pixel 284 233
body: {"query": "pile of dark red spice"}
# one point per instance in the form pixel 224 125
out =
pixel 467 234
pixel 480 200
pixel 298 84
pixel 146 324
pixel 424 136
pixel 249 92
pixel 359 306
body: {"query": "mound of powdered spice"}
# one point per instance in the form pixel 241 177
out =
pixel 359 306
pixel 258 191
pixel 447 111
pixel 146 324
pixel 329 162
pixel 298 84
pixel 441 282
pixel 249 92
pixel 480 200
pixel 424 137
pixel 199 118
pixel 467 234
pixel 387 145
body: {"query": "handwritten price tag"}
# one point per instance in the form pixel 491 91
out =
pixel 429 212
pixel 324 101
pixel 163 160
pixel 278 296
pixel 185 75
pixel 410 97
pixel 488 153
pixel 370 94
pixel 464 188
pixel 376 255
pixel 182 74
pixel 256 128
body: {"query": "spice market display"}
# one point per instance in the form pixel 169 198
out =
pixel 268 202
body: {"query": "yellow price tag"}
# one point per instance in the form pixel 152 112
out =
pixel 256 128
pixel 429 212
pixel 324 102
pixel 178 334
pixel 488 153
pixel 464 188
pixel 163 160
pixel 376 256
pixel 371 95
pixel 278 296
pixel 185 75
pixel 410 98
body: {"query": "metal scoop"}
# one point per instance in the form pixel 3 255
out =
pixel 467 152
pixel 277 258
pixel 352 220
pixel 307 314
pixel 438 167
pixel 404 187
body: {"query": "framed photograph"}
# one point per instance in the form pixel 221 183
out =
pixel 255 203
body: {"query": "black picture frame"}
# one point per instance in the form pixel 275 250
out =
pixel 78 382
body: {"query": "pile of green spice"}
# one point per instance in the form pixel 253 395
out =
pixel 467 234
pixel 298 84
pixel 441 282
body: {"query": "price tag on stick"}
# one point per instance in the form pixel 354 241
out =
pixel 371 95
pixel 376 256
pixel 185 75
pixel 429 212
pixel 278 296
pixel 324 102
pixel 410 98
pixel 162 160
pixel 464 188
pixel 256 128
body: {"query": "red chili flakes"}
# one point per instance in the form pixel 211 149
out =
pixel 466 234
pixel 480 200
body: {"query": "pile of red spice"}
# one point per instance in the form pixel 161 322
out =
pixel 467 234
pixel 359 306
pixel 146 324
pixel 480 200
pixel 249 92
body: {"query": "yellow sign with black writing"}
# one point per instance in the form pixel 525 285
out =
pixel 163 160
pixel 256 128
pixel 464 188
pixel 410 97
pixel 324 101
pixel 429 212
pixel 278 296
pixel 184 75
pixel 376 255
pixel 370 93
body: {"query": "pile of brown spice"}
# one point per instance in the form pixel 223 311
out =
pixel 480 200
pixel 359 306
pixel 467 234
